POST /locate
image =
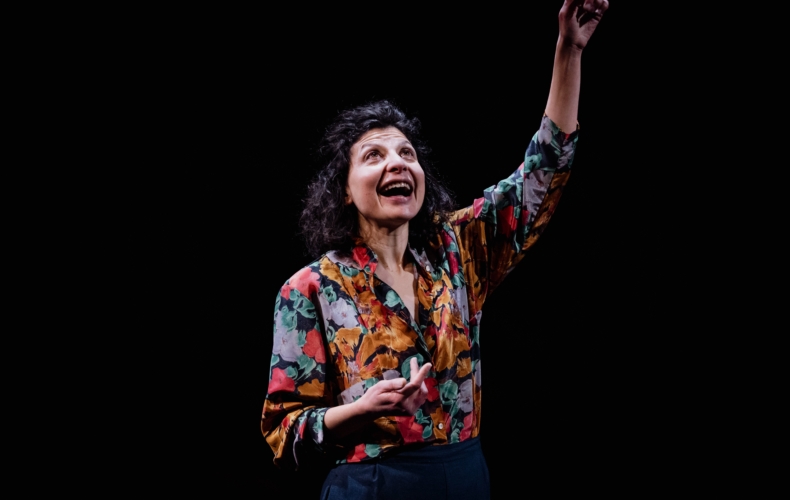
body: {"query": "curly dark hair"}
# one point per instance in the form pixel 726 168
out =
pixel 326 222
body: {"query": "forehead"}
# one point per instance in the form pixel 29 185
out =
pixel 380 135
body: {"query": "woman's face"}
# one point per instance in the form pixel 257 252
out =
pixel 385 181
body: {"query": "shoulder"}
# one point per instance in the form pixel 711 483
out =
pixel 307 280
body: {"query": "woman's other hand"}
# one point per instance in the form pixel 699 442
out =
pixel 396 396
pixel 578 20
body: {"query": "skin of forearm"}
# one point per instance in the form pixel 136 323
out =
pixel 563 103
pixel 340 421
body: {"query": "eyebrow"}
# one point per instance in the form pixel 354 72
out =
pixel 369 145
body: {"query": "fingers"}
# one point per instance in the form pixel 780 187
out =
pixel 421 374
pixel 578 9
pixel 395 384
pixel 596 7
pixel 589 6
pixel 396 396
pixel 418 375
pixel 571 5
pixel 417 378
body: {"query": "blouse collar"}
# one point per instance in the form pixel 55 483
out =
pixel 364 259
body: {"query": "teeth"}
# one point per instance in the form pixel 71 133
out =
pixel 397 185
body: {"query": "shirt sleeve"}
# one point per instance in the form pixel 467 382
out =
pixel 499 227
pixel 298 393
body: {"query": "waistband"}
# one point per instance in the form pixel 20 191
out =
pixel 437 453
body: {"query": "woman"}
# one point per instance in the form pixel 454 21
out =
pixel 376 355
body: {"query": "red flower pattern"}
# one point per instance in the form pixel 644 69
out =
pixel 302 427
pixel 479 204
pixel 281 382
pixel 410 430
pixel 314 347
pixel 361 256
pixel 357 454
pixel 469 423
pixel 507 223
pixel 452 257
pixel 305 280
pixel 433 392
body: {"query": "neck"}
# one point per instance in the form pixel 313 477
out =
pixel 389 244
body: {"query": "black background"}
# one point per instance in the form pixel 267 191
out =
pixel 214 160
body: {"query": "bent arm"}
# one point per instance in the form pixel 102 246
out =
pixel 298 392
pixel 301 418
pixel 388 397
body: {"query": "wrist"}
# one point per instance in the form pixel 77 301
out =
pixel 339 421
pixel 360 410
pixel 569 47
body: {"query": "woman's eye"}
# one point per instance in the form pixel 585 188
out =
pixel 407 152
pixel 373 154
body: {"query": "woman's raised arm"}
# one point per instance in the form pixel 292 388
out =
pixel 578 20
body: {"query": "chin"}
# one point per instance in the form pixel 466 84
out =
pixel 404 217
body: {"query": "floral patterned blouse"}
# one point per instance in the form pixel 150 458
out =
pixel 339 329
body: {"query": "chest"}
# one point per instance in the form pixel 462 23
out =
pixel 405 285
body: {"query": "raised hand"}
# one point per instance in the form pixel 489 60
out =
pixel 578 20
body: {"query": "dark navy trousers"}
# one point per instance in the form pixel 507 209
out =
pixel 444 472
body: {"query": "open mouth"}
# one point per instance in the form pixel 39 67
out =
pixel 396 189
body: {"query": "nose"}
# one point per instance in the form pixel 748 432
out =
pixel 396 163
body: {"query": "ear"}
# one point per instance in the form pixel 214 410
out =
pixel 347 200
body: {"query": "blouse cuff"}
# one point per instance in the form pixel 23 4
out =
pixel 551 149
pixel 309 433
